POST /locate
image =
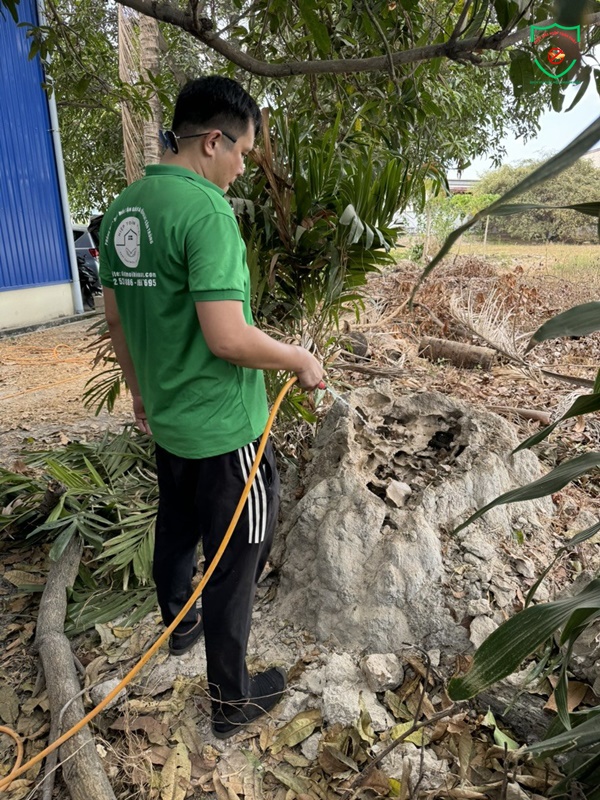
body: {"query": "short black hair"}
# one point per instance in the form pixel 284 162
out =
pixel 217 102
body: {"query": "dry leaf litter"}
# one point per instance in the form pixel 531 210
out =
pixel 345 704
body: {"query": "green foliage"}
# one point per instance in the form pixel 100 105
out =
pixel 559 624
pixel 554 626
pixel 316 213
pixel 582 405
pixel 552 482
pixel 11 6
pixel 406 111
pixel 506 648
pixel 445 212
pixel 79 48
pixel 575 185
pixel 108 496
pixel 103 388
pixel 577 321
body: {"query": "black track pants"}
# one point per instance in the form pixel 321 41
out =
pixel 197 500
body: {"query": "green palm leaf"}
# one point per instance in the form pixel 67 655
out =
pixel 505 649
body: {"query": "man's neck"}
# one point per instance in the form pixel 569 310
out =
pixel 182 160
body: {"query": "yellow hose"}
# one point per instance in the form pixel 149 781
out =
pixel 18 770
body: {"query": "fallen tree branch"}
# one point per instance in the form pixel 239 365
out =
pixel 48 777
pixel 436 319
pixel 525 413
pixel 416 726
pixel 521 362
pixel 82 771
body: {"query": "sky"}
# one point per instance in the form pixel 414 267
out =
pixel 556 131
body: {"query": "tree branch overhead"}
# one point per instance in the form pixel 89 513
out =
pixel 203 29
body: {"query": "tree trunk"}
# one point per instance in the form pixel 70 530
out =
pixel 129 67
pixel 82 771
pixel 485 234
pixel 467 356
pixel 427 230
pixel 150 64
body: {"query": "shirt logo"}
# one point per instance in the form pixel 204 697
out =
pixel 127 242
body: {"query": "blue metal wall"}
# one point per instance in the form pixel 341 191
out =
pixel 33 248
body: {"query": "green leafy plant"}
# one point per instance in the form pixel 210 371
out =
pixel 444 212
pixel 546 221
pixel 565 619
pixel 317 214
pixel 103 388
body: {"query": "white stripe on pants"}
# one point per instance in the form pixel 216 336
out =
pixel 257 499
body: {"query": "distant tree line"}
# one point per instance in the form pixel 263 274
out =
pixel 579 184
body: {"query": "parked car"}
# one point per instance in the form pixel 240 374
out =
pixel 86 249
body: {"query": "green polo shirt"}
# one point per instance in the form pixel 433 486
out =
pixel 169 240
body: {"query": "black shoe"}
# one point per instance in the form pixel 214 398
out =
pixel 266 690
pixel 180 643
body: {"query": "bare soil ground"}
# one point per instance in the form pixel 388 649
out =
pixel 42 380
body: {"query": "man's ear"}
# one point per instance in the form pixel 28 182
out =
pixel 210 142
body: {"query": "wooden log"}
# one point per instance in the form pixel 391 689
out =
pixel 523 713
pixel 467 356
pixel 82 770
pixel 525 413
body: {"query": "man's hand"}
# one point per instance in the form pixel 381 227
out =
pixel 229 337
pixel 140 415
pixel 311 374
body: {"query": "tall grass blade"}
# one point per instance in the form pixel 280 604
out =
pixel 577 321
pixel 505 649
pixel 554 481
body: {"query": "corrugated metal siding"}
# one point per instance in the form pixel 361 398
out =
pixel 33 248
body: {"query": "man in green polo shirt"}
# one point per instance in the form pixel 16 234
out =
pixel 177 300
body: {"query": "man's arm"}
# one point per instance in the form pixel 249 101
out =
pixel 229 337
pixel 117 336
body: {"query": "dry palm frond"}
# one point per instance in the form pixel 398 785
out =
pixel 279 187
pixel 491 322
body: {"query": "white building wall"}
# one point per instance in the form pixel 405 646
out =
pixel 35 305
